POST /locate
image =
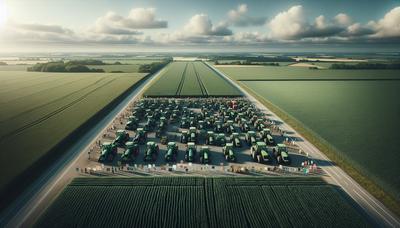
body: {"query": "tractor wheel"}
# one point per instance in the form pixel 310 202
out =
pixel 201 160
pixel 279 159
pixel 259 159
pixel 226 157
pixel 154 157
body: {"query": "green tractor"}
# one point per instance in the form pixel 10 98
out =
pixel 172 152
pixel 235 140
pixel 132 123
pixel 163 123
pixel 210 138
pixel 193 134
pixel 205 155
pixel 151 152
pixel 108 152
pixel 229 128
pixel 130 153
pixel 190 152
pixel 140 137
pixel 220 139
pixel 251 138
pixel 218 127
pixel 259 124
pixel 184 137
pixel 228 152
pixel 259 152
pixel 266 136
pixel 150 123
pixel 244 125
pixel 121 137
pixel 184 123
pixel 281 154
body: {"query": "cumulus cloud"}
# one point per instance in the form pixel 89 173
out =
pixel 239 17
pixel 200 24
pixel 388 26
pixel 138 18
pixel 288 24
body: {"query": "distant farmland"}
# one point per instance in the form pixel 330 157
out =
pixel 38 110
pixel 201 202
pixel 357 113
pixel 191 79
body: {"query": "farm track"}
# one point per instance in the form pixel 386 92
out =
pixel 202 87
pixel 40 120
pixel 180 86
pixel 51 102
pixel 41 91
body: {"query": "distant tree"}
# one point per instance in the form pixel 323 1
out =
pixel 3 63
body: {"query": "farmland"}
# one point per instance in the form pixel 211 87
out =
pixel 191 79
pixel 128 68
pixel 200 202
pixel 355 114
pixel 38 110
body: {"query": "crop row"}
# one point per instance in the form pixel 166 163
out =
pixel 199 202
pixel 191 79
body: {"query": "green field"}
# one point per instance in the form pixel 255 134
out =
pixel 201 202
pixel 357 117
pixel 191 79
pixel 288 72
pixel 38 110
pixel 14 67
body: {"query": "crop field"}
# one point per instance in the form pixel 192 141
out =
pixel 293 73
pixel 128 68
pixel 356 112
pixel 14 67
pixel 201 202
pixel 38 110
pixel 191 79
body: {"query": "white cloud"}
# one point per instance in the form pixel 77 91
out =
pixel 239 17
pixel 138 18
pixel 388 26
pixel 200 24
pixel 343 19
pixel 288 24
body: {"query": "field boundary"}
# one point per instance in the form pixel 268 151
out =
pixel 336 157
pixel 319 79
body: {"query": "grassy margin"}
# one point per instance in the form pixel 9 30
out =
pixel 386 198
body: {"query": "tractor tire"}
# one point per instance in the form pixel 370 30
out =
pixel 201 160
pixel 259 159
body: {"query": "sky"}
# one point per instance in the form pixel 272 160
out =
pixel 173 25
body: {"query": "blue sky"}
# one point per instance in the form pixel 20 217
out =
pixel 26 25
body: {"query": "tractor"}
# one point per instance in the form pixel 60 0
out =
pixel 184 123
pixel 218 127
pixel 281 154
pixel 193 134
pixel 140 137
pixel 259 152
pixel 184 137
pixel 132 123
pixel 259 124
pixel 193 122
pixel 220 140
pixel 150 123
pixel 244 126
pixel 235 140
pixel 228 152
pixel 205 155
pixel 108 152
pixel 229 128
pixel 210 138
pixel 151 152
pixel 163 123
pixel 121 137
pixel 251 138
pixel 172 152
pixel 266 136
pixel 190 152
pixel 130 153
